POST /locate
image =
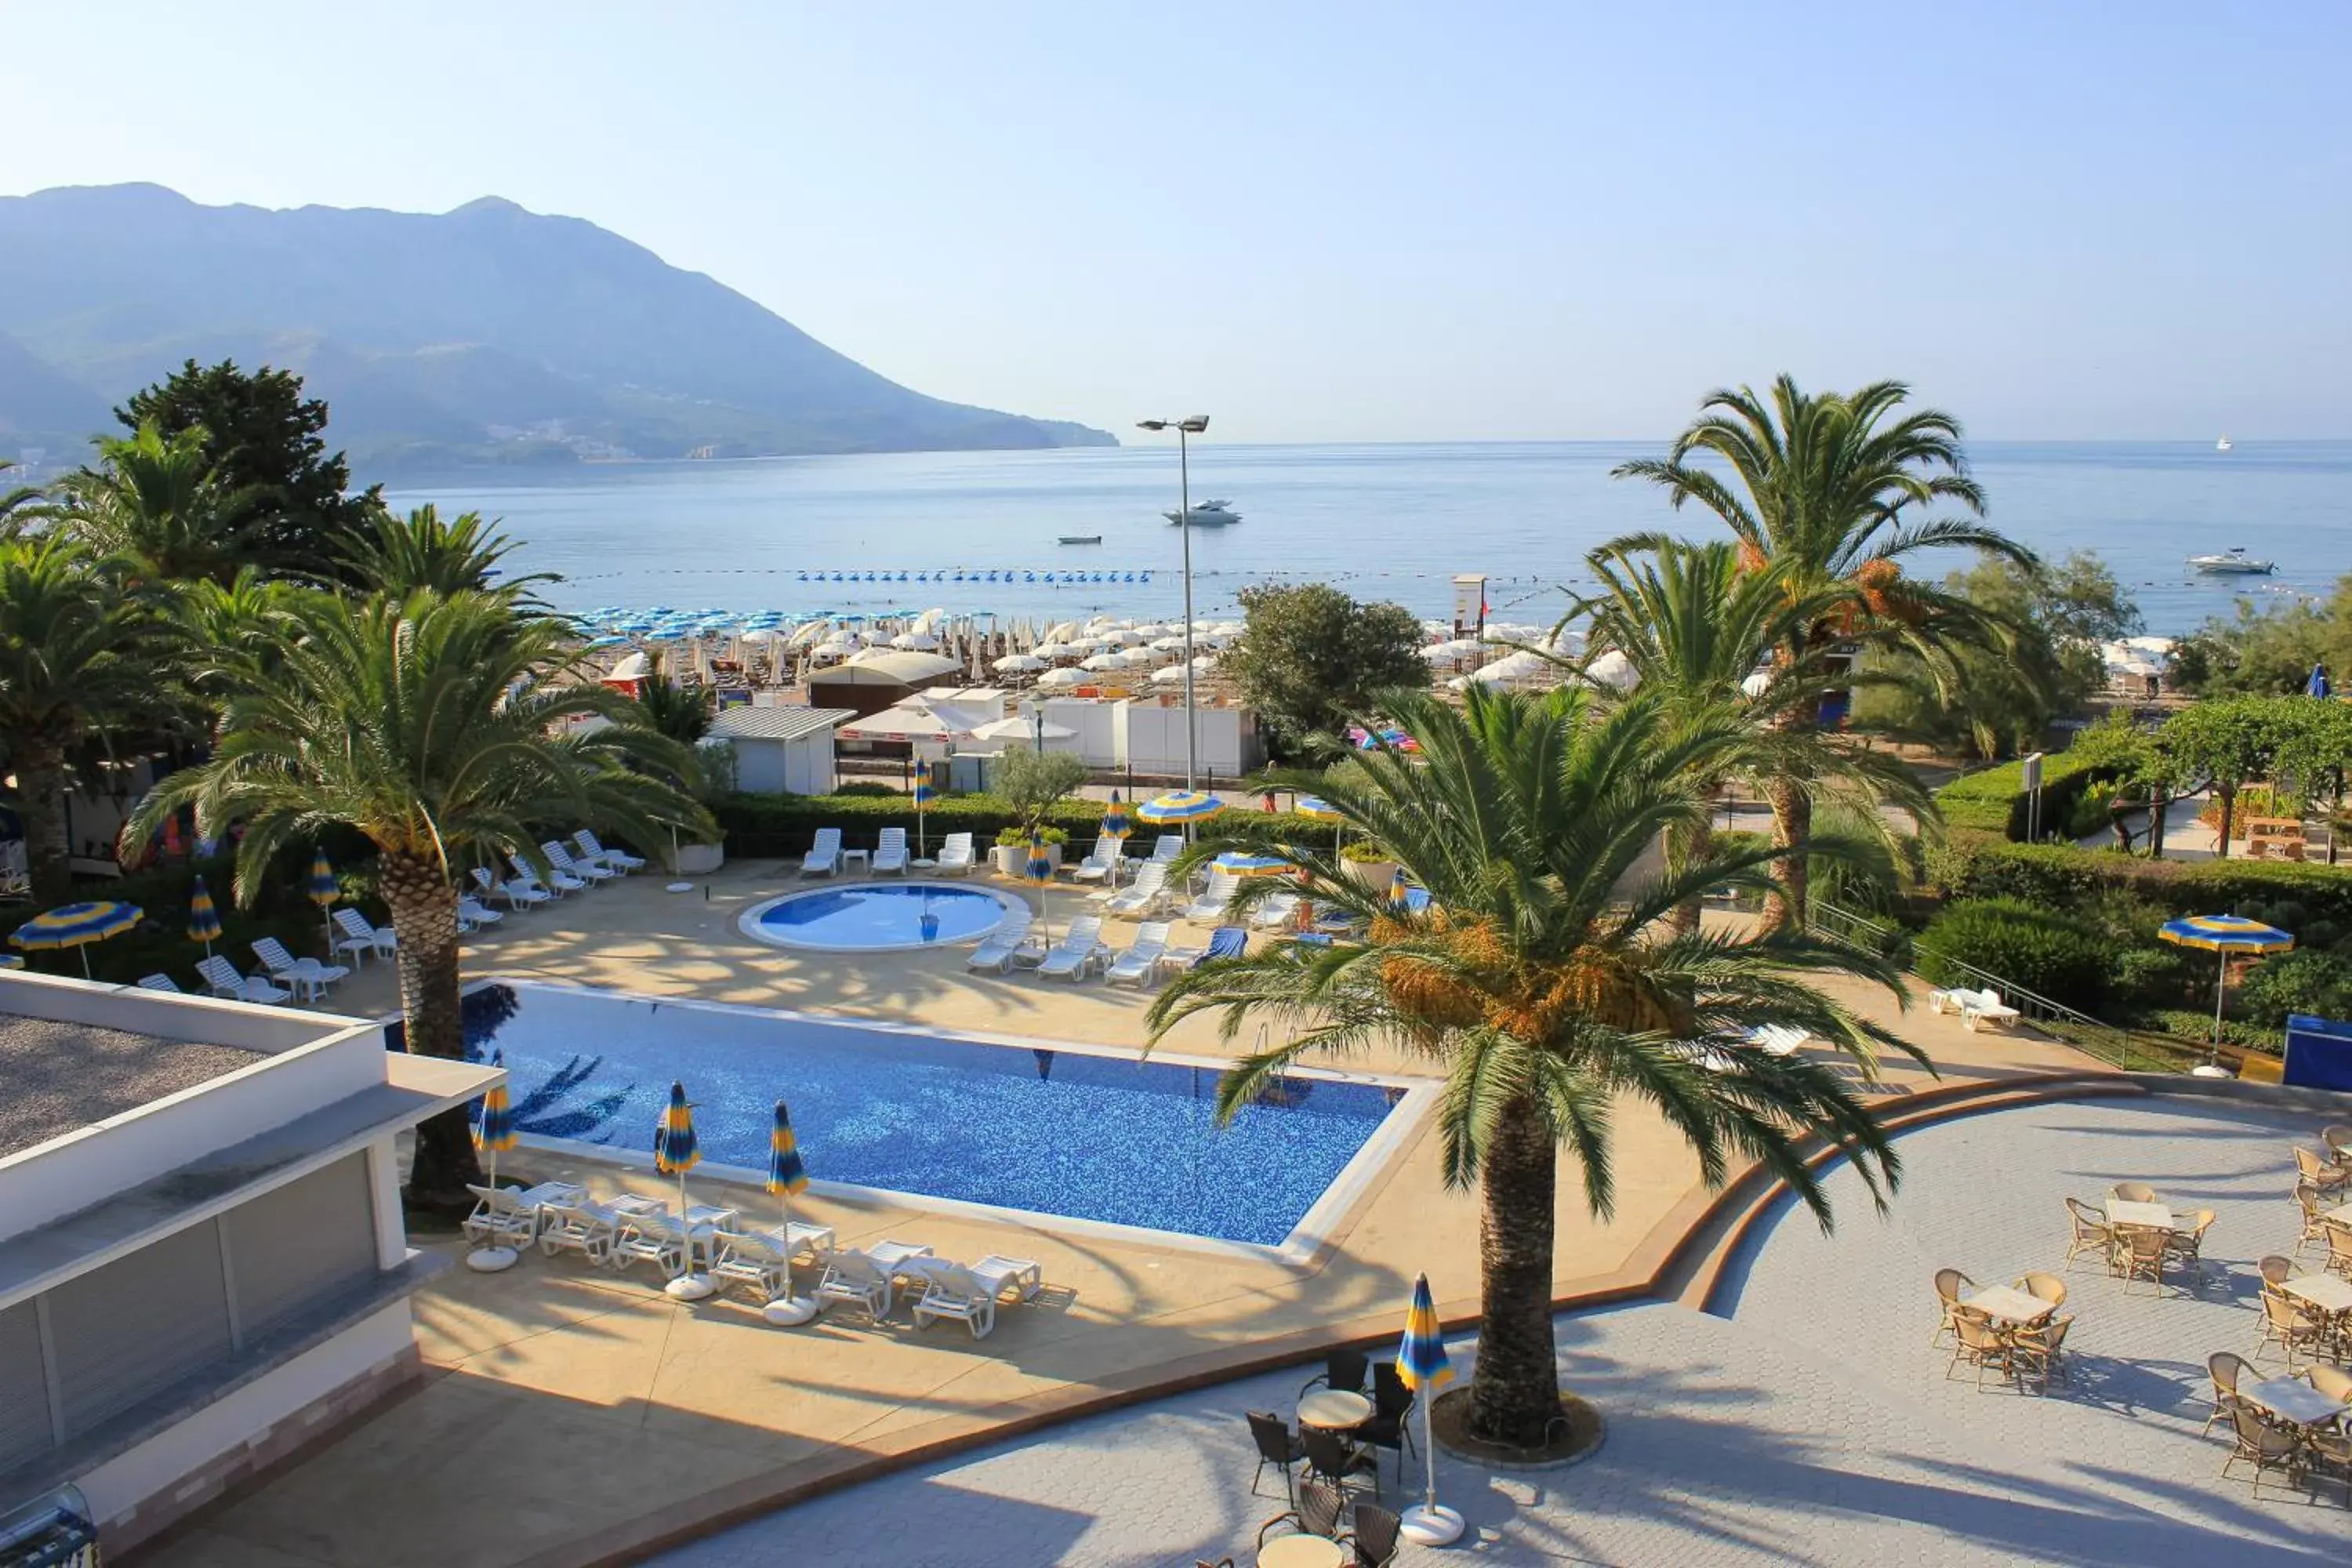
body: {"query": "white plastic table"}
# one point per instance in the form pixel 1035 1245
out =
pixel 2147 1217
pixel 864 858
pixel 1335 1407
pixel 2323 1290
pixel 2010 1304
pixel 2295 1400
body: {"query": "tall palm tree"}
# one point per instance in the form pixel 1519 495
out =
pixel 1696 629
pixel 437 726
pixel 17 505
pixel 398 555
pixel 1544 983
pixel 1829 486
pixel 152 500
pixel 78 659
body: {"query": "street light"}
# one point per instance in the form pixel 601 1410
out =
pixel 1194 426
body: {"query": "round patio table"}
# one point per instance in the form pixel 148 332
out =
pixel 1335 1407
pixel 1300 1551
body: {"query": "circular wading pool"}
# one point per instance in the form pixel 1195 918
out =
pixel 877 917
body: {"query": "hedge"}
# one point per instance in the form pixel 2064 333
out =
pixel 1995 801
pixel 2024 944
pixel 2059 877
pixel 767 826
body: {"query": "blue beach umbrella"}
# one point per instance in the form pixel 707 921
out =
pixel 1315 808
pixel 494 1128
pixel 75 925
pixel 1237 863
pixel 675 1153
pixel 1421 1366
pixel 787 1176
pixel 924 795
pixel 203 920
pixel 1114 822
pixel 2224 934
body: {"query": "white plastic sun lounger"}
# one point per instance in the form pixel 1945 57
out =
pixel 512 1217
pixel 1166 848
pixel 221 975
pixel 824 853
pixel 1005 945
pixel 1143 895
pixel 472 912
pixel 1778 1039
pixel 557 879
pixel 891 851
pixel 362 939
pixel 620 860
pixel 1079 952
pixel 1097 866
pixel 1210 906
pixel 308 977
pixel 971 1292
pixel 1140 961
pixel 853 1279
pixel 754 1257
pixel 955 855
pixel 159 982
pixel 1276 912
pixel 580 1225
pixel 589 871
pixel 1989 1008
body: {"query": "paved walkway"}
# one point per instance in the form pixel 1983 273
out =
pixel 1815 1425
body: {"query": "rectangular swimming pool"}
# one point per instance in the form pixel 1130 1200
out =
pixel 1028 1125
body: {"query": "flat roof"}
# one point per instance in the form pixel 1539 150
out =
pixel 64 1076
pixel 776 723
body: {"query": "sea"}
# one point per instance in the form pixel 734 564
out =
pixel 979 533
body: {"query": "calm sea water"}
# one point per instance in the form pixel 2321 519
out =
pixel 1384 521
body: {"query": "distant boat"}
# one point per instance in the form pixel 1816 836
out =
pixel 2222 445
pixel 1082 539
pixel 1208 514
pixel 2232 563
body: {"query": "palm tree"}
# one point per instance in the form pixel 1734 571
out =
pixel 401 554
pixel 17 505
pixel 1827 487
pixel 438 726
pixel 152 500
pixel 1694 625
pixel 1543 983
pixel 78 659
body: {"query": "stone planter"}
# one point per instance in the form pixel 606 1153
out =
pixel 1375 874
pixel 1013 858
pixel 699 859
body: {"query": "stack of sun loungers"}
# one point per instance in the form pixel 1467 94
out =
pixel 873 1279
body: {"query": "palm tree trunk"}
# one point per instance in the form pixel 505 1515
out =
pixel 1792 823
pixel 2229 793
pixel 41 801
pixel 1515 1389
pixel 425 914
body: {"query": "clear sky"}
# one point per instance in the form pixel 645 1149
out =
pixel 1360 222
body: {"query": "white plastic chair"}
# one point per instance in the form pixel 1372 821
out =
pixel 621 860
pixel 997 953
pixel 1098 865
pixel 221 975
pixel 308 977
pixel 1140 961
pixel 589 871
pixel 557 879
pixel 853 1279
pixel 1210 906
pixel 159 982
pixel 1079 952
pixel 955 855
pixel 1143 895
pixel 825 854
pixel 891 851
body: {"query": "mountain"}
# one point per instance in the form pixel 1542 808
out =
pixel 486 333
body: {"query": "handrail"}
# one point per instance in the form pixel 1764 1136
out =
pixel 2117 1046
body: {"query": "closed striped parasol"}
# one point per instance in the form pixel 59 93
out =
pixel 675 1153
pixel 1422 1366
pixel 204 920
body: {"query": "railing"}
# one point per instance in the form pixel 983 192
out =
pixel 2130 1049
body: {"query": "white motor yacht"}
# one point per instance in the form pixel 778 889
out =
pixel 2222 445
pixel 1208 514
pixel 2232 563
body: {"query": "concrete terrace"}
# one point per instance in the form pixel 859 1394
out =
pixel 578 1416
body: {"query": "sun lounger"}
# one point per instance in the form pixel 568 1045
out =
pixel 1140 961
pixel 1778 1039
pixel 308 977
pixel 1225 941
pixel 620 860
pixel 558 881
pixel 955 855
pixel 1276 912
pixel 1975 1007
pixel 754 1257
pixel 590 871
pixel 1079 954
pixel 891 851
pixel 580 1225
pixel 221 975
pixel 510 1217
pixel 159 982
pixel 361 939
pixel 472 914
pixel 1166 848
pixel 824 857
pixel 652 1236
pixel 1099 862
pixel 1143 895
pixel 1211 906
pixel 1703 1054
pixel 1005 945
pixel 971 1292
pixel 851 1279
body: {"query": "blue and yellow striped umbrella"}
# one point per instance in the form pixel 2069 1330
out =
pixel 924 793
pixel 1180 805
pixel 204 920
pixel 2225 933
pixel 1037 868
pixel 786 1175
pixel 75 925
pixel 1114 822
pixel 494 1125
pixel 1420 1361
pixel 322 886
pixel 673 1148
pixel 1236 863
pixel 1315 808
pixel 1400 895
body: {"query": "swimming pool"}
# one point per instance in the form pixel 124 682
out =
pixel 1027 1124
pixel 877 917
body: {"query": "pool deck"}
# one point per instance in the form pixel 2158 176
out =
pixel 571 1416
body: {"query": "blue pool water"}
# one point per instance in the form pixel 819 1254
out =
pixel 876 917
pixel 1056 1131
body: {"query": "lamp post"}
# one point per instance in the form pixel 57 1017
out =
pixel 1193 426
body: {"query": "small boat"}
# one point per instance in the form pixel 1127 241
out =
pixel 1082 539
pixel 2231 563
pixel 1208 514
pixel 2222 445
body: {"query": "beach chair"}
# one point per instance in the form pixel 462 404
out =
pixel 651 1235
pixel 1140 961
pixel 308 977
pixel 969 1293
pixel 501 1218
pixel 955 855
pixel 1279 911
pixel 557 880
pixel 800 1235
pixel 588 871
pixel 891 851
pixel 221 975
pixel 1143 895
pixel 1778 1039
pixel 472 915
pixel 1225 941
pixel 1984 1007
pixel 825 854
pixel 522 895
pixel 1005 945
pixel 620 860
pixel 1099 862
pixel 853 1279
pixel 1079 952
pixel 359 939
pixel 583 1227
pixel 754 1257
pixel 1210 906
pixel 159 982
pixel 1166 848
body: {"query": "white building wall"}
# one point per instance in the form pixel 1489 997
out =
pixel 120 1485
pixel 808 765
pixel 760 766
pixel 1153 739
pixel 1096 723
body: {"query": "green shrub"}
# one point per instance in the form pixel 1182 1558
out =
pixel 2151 976
pixel 1363 852
pixel 2189 1023
pixel 2319 983
pixel 1994 800
pixel 2022 945
pixel 1014 834
pixel 2059 877
pixel 872 789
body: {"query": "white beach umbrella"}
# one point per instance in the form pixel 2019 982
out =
pixel 1150 656
pixel 1062 631
pixel 1125 636
pixel 1514 670
pixel 1018 664
pixel 1444 653
pixel 1024 728
pixel 1171 675
pixel 1056 679
pixel 1756 683
pixel 1226 630
pixel 1171 644
pixel 1105 661
pixel 1053 650
pixel 1614 671
pixel 1203 663
pixel 915 642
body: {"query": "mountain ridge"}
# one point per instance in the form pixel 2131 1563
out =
pixel 486 333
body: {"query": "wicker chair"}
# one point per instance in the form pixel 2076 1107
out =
pixel 2331 1451
pixel 2186 1242
pixel 1334 1460
pixel 2265 1446
pixel 2141 1254
pixel 2291 1326
pixel 2334 1382
pixel 1949 1284
pixel 2036 1351
pixel 2133 1192
pixel 2314 1203
pixel 2090 1232
pixel 2340 1247
pixel 1277 1446
pixel 2276 1268
pixel 2330 1177
pixel 1342 1370
pixel 2224 1367
pixel 1977 1343
pixel 2043 1287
